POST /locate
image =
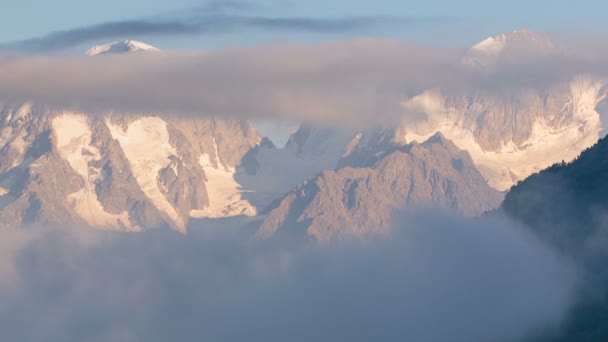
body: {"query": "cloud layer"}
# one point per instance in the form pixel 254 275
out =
pixel 358 82
pixel 441 279
pixel 363 78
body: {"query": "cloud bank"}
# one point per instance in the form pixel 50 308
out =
pixel 441 279
pixel 357 82
pixel 324 82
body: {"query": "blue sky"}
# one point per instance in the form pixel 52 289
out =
pixel 434 22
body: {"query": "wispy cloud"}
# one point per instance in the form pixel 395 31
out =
pixel 214 18
pixel 64 39
pixel 219 6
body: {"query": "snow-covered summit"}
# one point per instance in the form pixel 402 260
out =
pixel 120 47
pixel 496 44
pixel 517 43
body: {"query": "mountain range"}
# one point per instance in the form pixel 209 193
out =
pixel 135 172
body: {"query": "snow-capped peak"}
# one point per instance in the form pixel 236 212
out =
pixel 527 38
pixel 515 43
pixel 120 47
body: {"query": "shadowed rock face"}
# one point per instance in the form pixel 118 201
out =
pixel 357 199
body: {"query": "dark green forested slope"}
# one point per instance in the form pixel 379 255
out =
pixel 567 205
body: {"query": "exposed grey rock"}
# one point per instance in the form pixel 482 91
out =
pixel 116 187
pixel 358 200
pixel 232 139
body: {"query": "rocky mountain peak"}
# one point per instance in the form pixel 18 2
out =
pixel 357 198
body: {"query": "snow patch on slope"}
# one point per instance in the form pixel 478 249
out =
pixel 73 141
pixel 146 145
pixel 224 191
pixel 490 46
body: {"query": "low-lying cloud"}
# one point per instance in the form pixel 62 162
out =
pixel 440 279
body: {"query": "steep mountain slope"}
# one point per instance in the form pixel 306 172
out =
pixel 111 172
pixel 568 202
pixel 358 197
pixel 567 206
pixel 513 134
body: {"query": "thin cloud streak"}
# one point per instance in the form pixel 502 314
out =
pixel 214 18
pixel 65 39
